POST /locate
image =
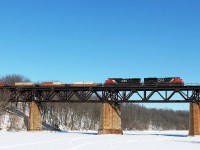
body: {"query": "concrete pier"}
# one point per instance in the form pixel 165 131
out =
pixel 194 119
pixel 110 121
pixel 35 118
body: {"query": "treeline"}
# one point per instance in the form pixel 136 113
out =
pixel 82 116
pixel 86 116
pixel 72 116
pixel 135 117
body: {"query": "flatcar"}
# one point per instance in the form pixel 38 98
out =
pixel 84 84
pixel 163 81
pixel 2 84
pixel 123 81
pixel 52 84
pixel 24 84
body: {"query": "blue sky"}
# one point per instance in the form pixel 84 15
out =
pixel 92 40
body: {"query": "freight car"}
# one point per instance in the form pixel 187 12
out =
pixel 52 84
pixel 2 84
pixel 84 84
pixel 163 81
pixel 123 81
pixel 24 84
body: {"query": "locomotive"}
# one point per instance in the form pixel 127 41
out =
pixel 163 81
pixel 123 81
pixel 147 81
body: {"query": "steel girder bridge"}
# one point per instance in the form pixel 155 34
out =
pixel 97 94
pixel 109 96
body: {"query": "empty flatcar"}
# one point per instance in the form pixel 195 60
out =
pixel 25 84
pixel 52 84
pixel 84 84
pixel 2 84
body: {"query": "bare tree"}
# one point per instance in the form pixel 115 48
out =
pixel 12 78
pixel 6 106
pixel 4 98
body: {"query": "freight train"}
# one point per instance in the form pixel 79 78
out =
pixel 168 81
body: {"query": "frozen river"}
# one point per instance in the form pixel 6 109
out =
pixel 89 140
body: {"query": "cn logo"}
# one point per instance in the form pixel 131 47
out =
pixel 160 80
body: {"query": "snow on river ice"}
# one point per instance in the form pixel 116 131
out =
pixel 89 140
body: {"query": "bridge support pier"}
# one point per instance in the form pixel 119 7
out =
pixel 110 121
pixel 194 119
pixel 35 118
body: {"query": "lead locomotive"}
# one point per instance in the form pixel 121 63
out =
pixel 147 81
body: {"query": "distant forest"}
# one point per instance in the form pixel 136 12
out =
pixel 82 116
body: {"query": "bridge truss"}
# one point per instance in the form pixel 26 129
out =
pixel 118 94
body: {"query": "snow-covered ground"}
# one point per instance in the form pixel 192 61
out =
pixel 139 140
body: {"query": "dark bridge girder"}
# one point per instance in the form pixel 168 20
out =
pixel 119 94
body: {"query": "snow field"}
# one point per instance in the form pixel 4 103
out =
pixel 89 140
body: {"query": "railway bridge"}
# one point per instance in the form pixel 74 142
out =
pixel 110 97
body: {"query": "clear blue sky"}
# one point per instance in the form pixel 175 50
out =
pixel 92 40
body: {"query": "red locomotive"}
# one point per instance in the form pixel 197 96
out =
pixel 147 81
pixel 122 81
pixel 163 81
